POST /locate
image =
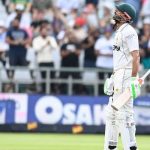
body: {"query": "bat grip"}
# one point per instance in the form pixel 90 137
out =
pixel 141 81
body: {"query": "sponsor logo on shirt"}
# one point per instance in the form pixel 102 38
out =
pixel 116 48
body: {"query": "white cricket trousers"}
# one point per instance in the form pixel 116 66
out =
pixel 122 121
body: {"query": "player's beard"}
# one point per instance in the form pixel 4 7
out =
pixel 118 20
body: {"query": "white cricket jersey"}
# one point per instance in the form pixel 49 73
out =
pixel 125 41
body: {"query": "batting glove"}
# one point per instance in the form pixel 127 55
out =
pixel 109 86
pixel 135 87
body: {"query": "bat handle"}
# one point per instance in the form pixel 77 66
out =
pixel 141 81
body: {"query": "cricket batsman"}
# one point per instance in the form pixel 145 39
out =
pixel 126 64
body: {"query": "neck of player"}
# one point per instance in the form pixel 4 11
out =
pixel 119 24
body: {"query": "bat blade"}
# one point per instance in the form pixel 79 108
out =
pixel 126 95
pixel 121 100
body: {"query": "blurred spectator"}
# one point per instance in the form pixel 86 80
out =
pixel 89 57
pixel 44 45
pixel 91 15
pixel 37 14
pixel 17 39
pixel 3 45
pixel 4 2
pixel 26 3
pixel 88 46
pixel 79 30
pixel 80 21
pixel 68 5
pixel 105 13
pixel 42 4
pixel 37 21
pixel 94 2
pixel 145 12
pixel 104 52
pixel 57 23
pixel 108 4
pixel 25 17
pixel 3 11
pixel 49 14
pixel 68 21
pixel 144 45
pixel 70 52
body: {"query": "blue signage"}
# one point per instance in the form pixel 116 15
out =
pixel 63 110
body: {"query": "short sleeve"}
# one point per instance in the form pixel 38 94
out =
pixel 132 41
pixel 9 34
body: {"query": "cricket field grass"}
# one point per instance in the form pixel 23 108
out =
pixel 21 141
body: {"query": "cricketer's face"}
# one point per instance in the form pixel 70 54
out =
pixel 120 16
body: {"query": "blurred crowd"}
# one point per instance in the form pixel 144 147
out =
pixel 65 33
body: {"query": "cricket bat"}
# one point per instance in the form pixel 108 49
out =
pixel 126 95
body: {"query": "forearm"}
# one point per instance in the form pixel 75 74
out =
pixel 64 54
pixel 26 41
pixel 10 41
pixel 135 69
pixel 135 65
